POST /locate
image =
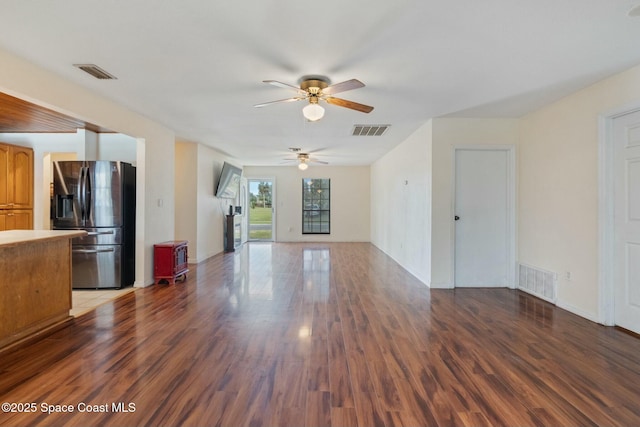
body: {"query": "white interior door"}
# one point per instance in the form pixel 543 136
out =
pixel 483 218
pixel 627 221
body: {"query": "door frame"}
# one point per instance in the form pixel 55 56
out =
pixel 511 206
pixel 606 218
pixel 273 205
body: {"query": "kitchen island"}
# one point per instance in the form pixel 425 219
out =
pixel 35 283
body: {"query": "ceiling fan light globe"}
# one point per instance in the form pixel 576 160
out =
pixel 303 166
pixel 313 112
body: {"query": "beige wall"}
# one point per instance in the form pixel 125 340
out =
pixel 155 207
pixel 447 134
pixel 422 240
pixel 186 197
pixel 401 203
pixel 199 214
pixel 558 188
pixel 211 210
pixel 350 201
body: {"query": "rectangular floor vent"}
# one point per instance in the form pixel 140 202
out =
pixel 538 282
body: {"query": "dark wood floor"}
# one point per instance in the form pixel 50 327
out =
pixel 301 334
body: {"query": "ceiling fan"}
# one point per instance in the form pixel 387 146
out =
pixel 304 159
pixel 315 89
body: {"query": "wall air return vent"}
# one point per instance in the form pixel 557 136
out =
pixel 369 130
pixel 538 282
pixel 95 71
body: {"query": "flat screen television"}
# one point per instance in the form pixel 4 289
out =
pixel 229 181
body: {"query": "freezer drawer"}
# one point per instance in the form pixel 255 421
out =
pixel 97 266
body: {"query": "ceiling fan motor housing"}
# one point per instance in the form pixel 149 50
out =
pixel 314 87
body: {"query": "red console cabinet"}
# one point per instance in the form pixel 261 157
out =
pixel 170 261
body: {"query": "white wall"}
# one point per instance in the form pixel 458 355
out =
pixel 413 223
pixel 200 215
pixel 350 201
pixel 155 146
pixel 448 133
pixel 116 147
pixel 186 183
pixel 401 203
pixel 211 210
pixel 558 188
pixel 557 176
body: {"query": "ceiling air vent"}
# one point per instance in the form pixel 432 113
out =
pixel 369 130
pixel 95 71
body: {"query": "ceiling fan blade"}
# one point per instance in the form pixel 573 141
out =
pixel 264 104
pixel 322 162
pixel 285 85
pixel 342 87
pixel 349 104
pixel 317 150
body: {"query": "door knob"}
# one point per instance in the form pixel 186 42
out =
pixel 456 217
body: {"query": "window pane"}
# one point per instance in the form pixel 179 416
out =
pixel 316 206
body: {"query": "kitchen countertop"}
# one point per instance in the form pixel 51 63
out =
pixel 13 237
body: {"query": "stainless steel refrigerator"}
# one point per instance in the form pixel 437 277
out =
pixel 98 197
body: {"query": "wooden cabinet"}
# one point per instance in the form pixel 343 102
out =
pixel 35 283
pixel 16 187
pixel 170 261
pixel 16 219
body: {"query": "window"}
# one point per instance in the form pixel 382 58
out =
pixel 316 206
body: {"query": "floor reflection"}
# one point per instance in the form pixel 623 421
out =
pixel 535 309
pixel 258 273
pixel 252 274
pixel 316 267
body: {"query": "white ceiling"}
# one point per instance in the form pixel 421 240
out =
pixel 197 66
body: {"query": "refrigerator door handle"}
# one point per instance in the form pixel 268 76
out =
pixel 92 251
pixel 81 193
pixel 100 233
pixel 87 193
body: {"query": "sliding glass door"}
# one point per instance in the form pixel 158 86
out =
pixel 261 210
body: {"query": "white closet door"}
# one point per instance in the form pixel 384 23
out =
pixel 627 221
pixel 482 229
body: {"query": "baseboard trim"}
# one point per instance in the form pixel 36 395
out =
pixel 578 311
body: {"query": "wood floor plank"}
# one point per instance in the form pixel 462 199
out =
pixel 369 411
pixel 343 417
pixel 315 334
pixel 339 379
pixel 318 413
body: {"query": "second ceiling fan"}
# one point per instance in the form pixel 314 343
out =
pixel 303 159
pixel 315 89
